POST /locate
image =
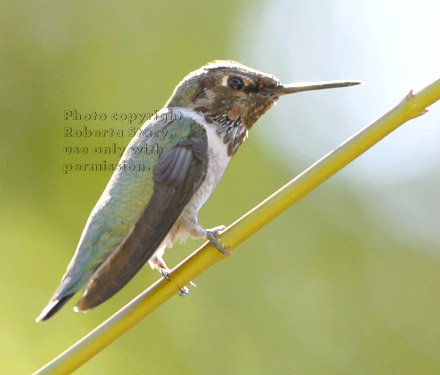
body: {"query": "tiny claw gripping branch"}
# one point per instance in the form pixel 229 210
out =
pixel 211 237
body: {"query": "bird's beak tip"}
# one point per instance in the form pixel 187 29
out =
pixel 291 88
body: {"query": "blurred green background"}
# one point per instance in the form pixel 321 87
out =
pixel 345 282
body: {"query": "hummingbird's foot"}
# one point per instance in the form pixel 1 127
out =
pixel 182 291
pixel 216 230
pixel 210 235
pixel 165 272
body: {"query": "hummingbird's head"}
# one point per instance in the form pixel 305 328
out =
pixel 227 91
pixel 233 96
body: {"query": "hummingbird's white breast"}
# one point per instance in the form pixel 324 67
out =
pixel 218 158
pixel 187 224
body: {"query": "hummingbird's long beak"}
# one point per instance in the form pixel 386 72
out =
pixel 307 86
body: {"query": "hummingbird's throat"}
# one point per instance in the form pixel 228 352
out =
pixel 225 120
pixel 232 132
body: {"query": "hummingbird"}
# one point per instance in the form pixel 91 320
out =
pixel 153 198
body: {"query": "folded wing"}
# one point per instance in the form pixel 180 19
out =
pixel 177 175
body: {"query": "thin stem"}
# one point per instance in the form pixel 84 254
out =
pixel 410 107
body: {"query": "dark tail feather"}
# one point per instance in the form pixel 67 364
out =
pixel 52 307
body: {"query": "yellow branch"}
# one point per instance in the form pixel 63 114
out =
pixel 410 107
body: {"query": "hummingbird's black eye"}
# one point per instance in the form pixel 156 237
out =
pixel 235 83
